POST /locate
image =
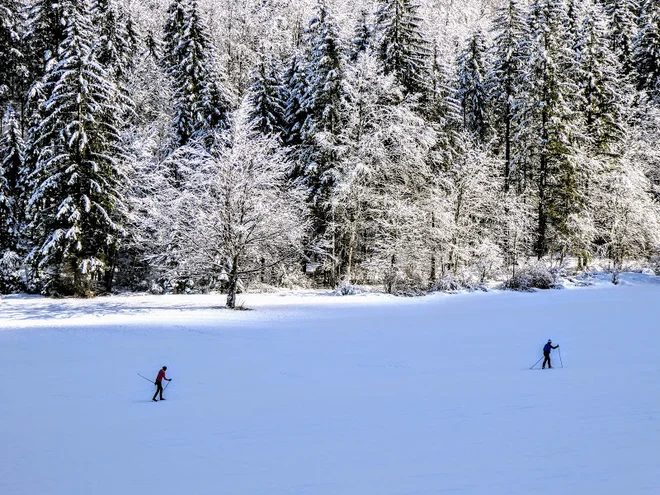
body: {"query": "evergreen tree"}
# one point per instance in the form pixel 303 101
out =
pixel 401 45
pixel 549 121
pixel 45 30
pixel 322 103
pixel 295 81
pixel 442 106
pixel 11 168
pixel 505 78
pixel 116 44
pixel 216 102
pixel 266 98
pixel 363 37
pixel 472 92
pixel 647 53
pixel 10 52
pixel 622 31
pixel 601 84
pixel 201 103
pixel 10 207
pixel 324 93
pixel 76 201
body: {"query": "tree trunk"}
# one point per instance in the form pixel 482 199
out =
pixel 432 275
pixel 233 284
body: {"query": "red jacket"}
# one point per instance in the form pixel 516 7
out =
pixel 161 376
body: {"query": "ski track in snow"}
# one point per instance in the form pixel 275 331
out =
pixel 315 394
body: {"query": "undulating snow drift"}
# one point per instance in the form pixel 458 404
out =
pixel 313 394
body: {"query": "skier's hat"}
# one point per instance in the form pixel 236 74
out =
pixel 549 341
pixel 164 367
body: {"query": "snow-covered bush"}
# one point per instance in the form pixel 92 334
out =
pixel 536 276
pixel 347 289
pixel 448 283
pixel 10 265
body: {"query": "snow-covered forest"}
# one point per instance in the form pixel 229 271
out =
pixel 227 144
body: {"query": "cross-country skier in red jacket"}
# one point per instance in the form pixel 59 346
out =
pixel 159 383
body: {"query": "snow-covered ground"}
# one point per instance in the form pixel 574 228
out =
pixel 322 395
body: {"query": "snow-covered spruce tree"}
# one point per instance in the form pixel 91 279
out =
pixel 200 100
pixel 115 47
pixel 574 16
pixel 363 38
pixel 74 208
pixel 11 201
pixel 549 122
pixel 647 54
pixel 237 215
pixel 11 165
pixel 401 45
pixel 622 17
pixel 441 107
pixel 45 30
pixel 323 106
pixel 601 85
pixel 12 160
pixel 267 97
pixel 471 87
pixel 505 79
pixel 11 57
pixel 295 88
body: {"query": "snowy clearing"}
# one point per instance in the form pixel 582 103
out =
pixel 322 395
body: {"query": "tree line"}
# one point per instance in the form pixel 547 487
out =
pixel 131 158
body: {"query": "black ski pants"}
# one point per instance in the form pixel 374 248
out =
pixel 546 360
pixel 159 388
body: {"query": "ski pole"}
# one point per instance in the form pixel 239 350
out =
pixel 537 362
pixel 145 378
pixel 560 361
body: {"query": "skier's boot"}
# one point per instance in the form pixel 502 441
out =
pixel 155 400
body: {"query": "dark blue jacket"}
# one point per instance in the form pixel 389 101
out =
pixel 548 346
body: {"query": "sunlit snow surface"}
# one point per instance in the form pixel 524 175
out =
pixel 322 395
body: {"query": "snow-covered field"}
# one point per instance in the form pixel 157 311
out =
pixel 314 394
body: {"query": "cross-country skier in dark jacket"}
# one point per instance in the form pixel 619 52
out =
pixel 546 353
pixel 159 383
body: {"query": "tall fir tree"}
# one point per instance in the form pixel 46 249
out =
pixel 267 97
pixel 402 47
pixel 45 30
pixel 622 31
pixel 11 170
pixel 442 108
pixel 324 93
pixel 11 56
pixel 75 205
pixel 295 115
pixel 322 104
pixel 505 79
pixel 471 87
pixel 601 85
pixel 549 121
pixel 363 37
pixel 647 51
pixel 201 102
pixel 116 44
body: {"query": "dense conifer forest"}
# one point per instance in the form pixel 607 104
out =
pixel 413 145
